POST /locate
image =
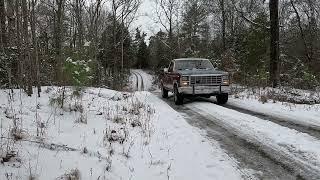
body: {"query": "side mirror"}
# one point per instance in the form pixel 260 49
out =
pixel 165 70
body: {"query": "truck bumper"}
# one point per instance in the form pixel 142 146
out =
pixel 204 90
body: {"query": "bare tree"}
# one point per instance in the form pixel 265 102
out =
pixel 223 23
pixel 58 25
pixel 274 43
pixel 123 11
pixel 2 25
pixel 35 55
pixel 167 14
pixel 78 13
pixel 26 46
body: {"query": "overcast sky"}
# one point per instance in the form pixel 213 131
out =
pixel 146 18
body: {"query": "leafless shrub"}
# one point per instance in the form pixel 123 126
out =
pixel 7 156
pixel 48 90
pixel 126 150
pixel 136 106
pixel 115 135
pixel 18 134
pixel 168 171
pixel 263 99
pixel 84 150
pixel 31 176
pixel 136 123
pixel 110 149
pixel 41 126
pixel 56 101
pixel 119 120
pixel 74 174
pixel 9 176
pixel 108 164
pixel 76 107
pixel 82 119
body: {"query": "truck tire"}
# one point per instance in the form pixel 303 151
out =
pixel 178 98
pixel 222 98
pixel 164 92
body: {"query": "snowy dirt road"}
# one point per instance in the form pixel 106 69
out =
pixel 272 144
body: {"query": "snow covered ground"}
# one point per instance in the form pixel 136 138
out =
pixel 302 114
pixel 104 135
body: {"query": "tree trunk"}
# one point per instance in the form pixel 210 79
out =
pixel 274 43
pixel 26 47
pixel 58 40
pixel 35 54
pixel 11 38
pixel 223 24
pixel 21 68
pixel 3 40
pixel 303 37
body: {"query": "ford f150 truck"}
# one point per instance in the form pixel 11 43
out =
pixel 194 77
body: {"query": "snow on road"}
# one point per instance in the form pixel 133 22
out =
pixel 298 149
pixel 306 115
pixel 192 156
pixel 144 79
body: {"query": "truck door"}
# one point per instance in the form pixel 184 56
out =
pixel 170 76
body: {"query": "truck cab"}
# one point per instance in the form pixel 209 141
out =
pixel 189 77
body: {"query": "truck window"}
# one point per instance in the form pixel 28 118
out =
pixel 193 64
pixel 170 69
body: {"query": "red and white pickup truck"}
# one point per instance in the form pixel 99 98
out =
pixel 194 77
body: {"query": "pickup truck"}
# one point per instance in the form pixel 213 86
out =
pixel 194 77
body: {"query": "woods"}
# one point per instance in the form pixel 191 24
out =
pixel 261 43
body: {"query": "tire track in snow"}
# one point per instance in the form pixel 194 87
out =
pixel 141 82
pixel 139 78
pixel 248 155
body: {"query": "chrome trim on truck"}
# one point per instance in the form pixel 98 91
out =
pixel 193 90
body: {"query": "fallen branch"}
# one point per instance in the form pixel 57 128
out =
pixel 50 146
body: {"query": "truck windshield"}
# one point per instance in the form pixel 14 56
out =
pixel 193 64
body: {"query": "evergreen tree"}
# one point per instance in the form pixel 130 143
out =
pixel 142 51
pixel 193 26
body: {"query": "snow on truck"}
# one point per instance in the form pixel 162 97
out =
pixel 189 77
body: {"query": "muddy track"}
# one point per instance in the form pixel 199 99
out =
pixel 138 76
pixel 141 82
pixel 137 82
pixel 248 155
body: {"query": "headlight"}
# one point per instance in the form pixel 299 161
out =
pixel 185 78
pixel 225 80
pixel 184 81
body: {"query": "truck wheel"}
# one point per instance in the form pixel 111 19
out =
pixel 178 98
pixel 222 98
pixel 164 92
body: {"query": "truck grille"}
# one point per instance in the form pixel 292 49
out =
pixel 205 80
